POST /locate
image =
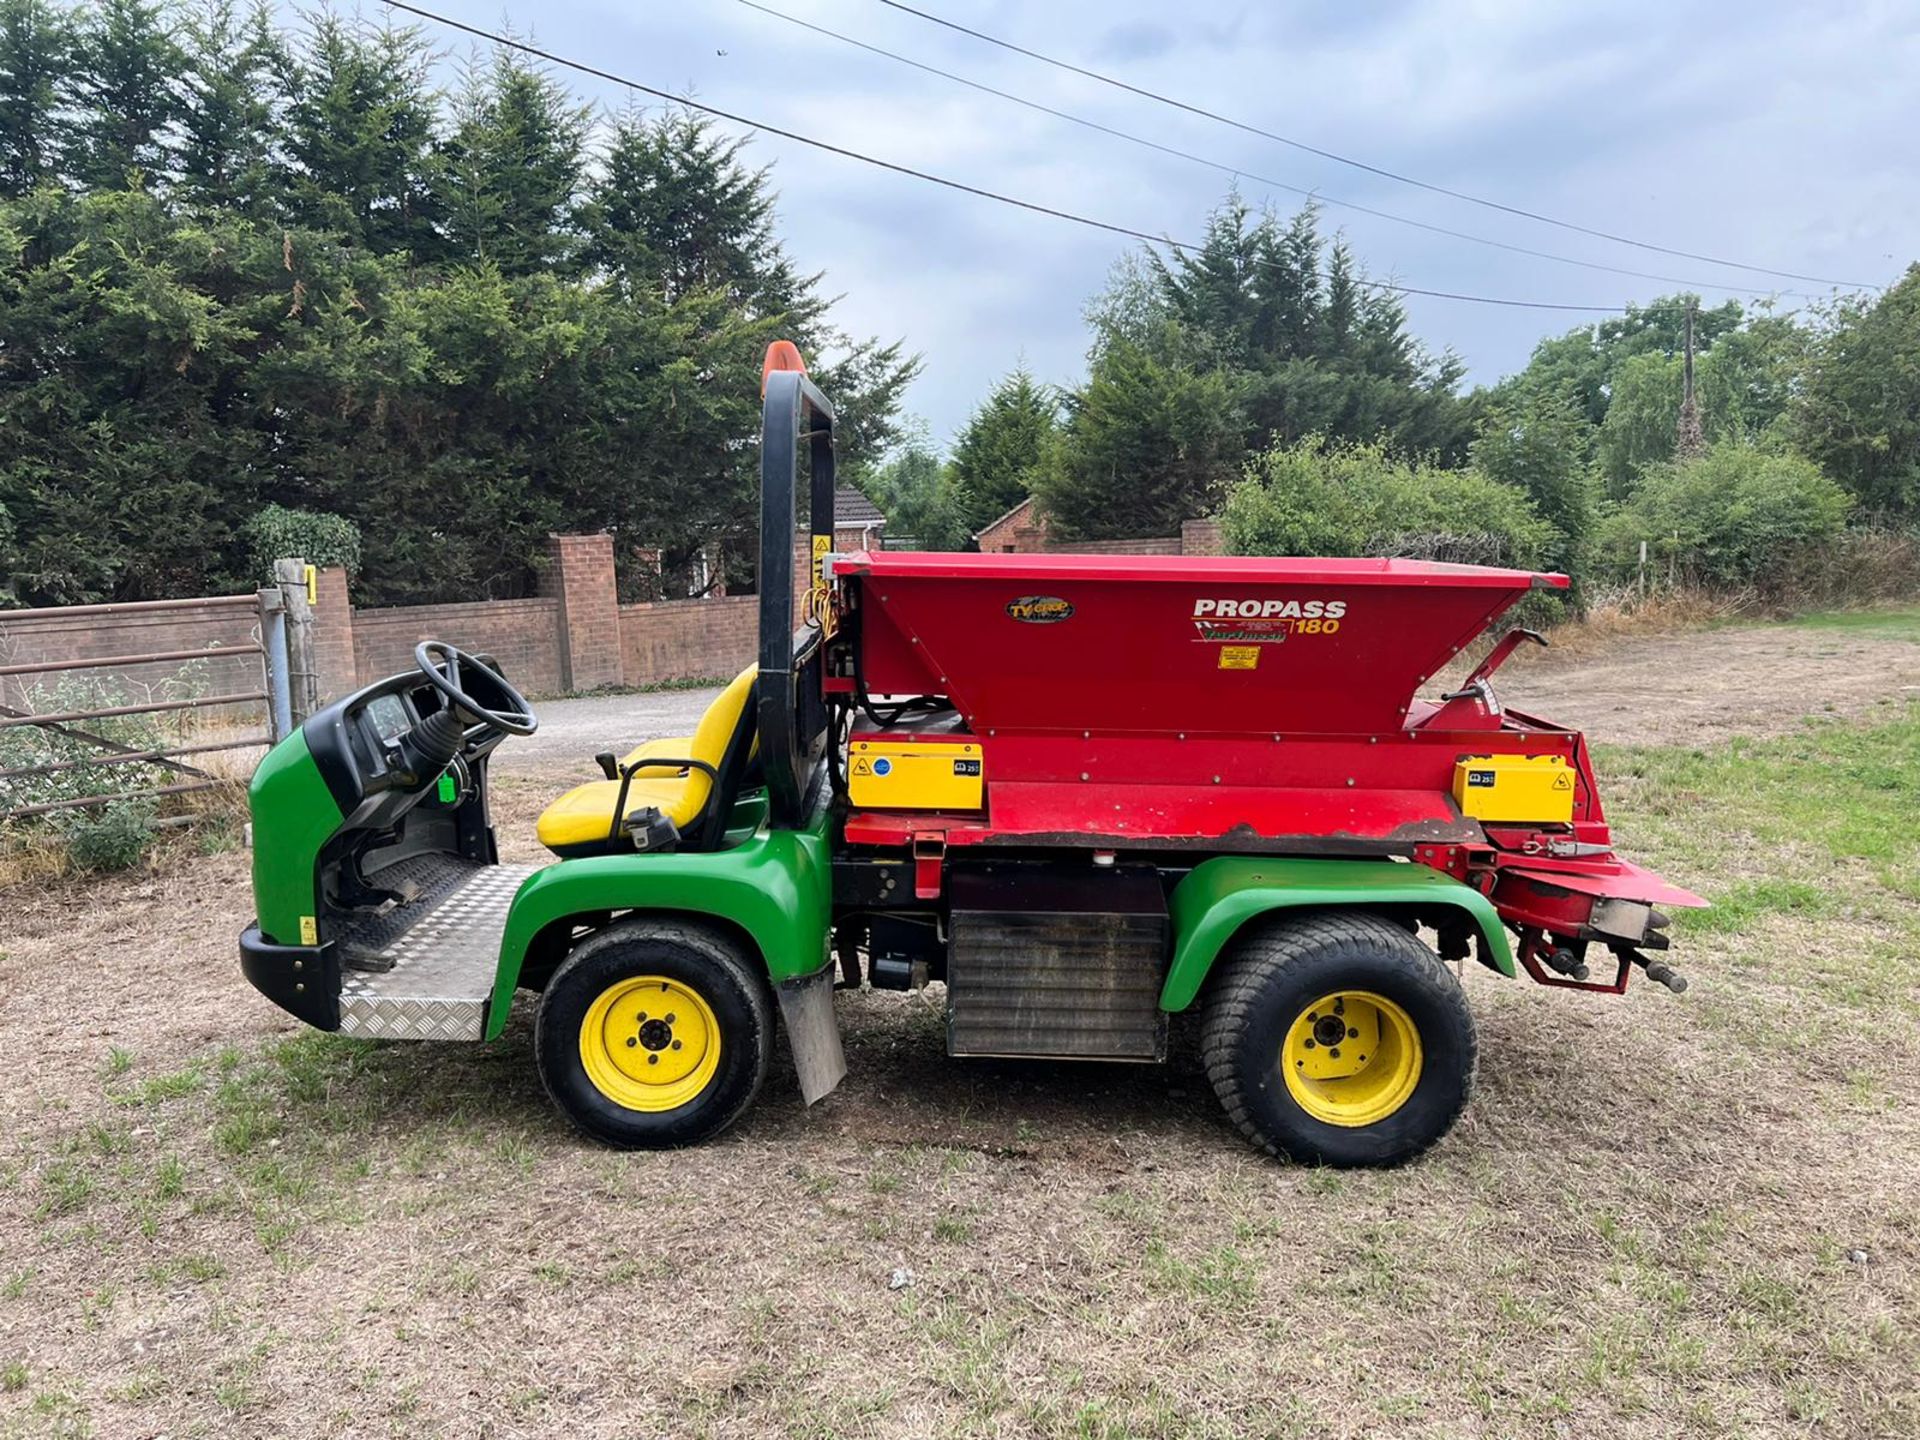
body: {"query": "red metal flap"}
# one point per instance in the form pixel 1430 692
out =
pixel 1618 880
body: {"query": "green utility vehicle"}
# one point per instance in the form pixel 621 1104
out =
pixel 1082 792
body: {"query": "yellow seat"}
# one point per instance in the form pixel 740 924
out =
pixel 583 819
pixel 670 747
pixel 675 747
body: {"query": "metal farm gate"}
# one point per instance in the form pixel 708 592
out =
pixel 151 700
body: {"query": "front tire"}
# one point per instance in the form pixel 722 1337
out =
pixel 654 1033
pixel 1338 1039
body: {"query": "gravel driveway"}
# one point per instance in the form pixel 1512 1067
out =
pixel 573 731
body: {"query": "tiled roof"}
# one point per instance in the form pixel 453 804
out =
pixel 852 509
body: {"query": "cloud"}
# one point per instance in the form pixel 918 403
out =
pixel 1773 133
pixel 1138 40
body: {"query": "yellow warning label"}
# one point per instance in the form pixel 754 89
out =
pixel 1563 782
pixel 1239 657
pixel 309 932
pixel 861 767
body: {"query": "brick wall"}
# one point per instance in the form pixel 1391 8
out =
pixel 577 637
pixel 96 632
pixel 688 639
pixel 334 661
pixel 1201 537
pixel 525 636
pixel 579 575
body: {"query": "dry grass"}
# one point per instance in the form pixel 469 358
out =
pixel 1694 1216
pixel 34 856
pixel 1625 614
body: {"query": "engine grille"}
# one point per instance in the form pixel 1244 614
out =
pixel 1049 962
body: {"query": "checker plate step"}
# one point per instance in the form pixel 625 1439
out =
pixel 443 967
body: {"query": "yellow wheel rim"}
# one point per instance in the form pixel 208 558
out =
pixel 650 1043
pixel 1351 1058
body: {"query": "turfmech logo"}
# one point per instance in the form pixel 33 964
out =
pixel 1269 609
pixel 1229 621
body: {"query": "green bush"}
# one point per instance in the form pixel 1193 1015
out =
pixel 27 747
pixel 1319 498
pixel 114 837
pixel 280 533
pixel 1731 517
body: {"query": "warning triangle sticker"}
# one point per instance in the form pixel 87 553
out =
pixel 861 767
pixel 1563 782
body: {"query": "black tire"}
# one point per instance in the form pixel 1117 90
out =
pixel 688 954
pixel 1276 972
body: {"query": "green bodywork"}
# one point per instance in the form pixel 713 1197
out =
pixel 1219 896
pixel 294 814
pixel 775 885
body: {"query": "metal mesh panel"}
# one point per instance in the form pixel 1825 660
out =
pixel 443 967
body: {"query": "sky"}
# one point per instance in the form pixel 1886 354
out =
pixel 1772 134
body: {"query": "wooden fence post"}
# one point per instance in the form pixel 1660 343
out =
pixel 303 680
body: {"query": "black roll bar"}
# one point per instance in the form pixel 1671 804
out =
pixel 792 707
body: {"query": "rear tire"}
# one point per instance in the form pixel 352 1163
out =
pixel 654 1033
pixel 1271 1049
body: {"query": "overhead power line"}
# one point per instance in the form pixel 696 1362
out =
pixel 1185 246
pixel 1348 160
pixel 1239 171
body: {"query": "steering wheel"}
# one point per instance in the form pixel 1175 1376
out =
pixel 520 720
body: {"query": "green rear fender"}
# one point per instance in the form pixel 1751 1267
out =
pixel 1219 896
pixel 775 886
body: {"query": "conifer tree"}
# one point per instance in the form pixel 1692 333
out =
pixel 127 87
pixel 360 158
pixel 36 56
pixel 998 455
pixel 512 168
pixel 229 121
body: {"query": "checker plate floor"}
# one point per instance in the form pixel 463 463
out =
pixel 443 966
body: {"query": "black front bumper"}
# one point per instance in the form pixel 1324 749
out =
pixel 303 980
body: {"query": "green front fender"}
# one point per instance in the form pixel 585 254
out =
pixel 1219 896
pixel 776 886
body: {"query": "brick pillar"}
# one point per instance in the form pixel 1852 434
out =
pixel 333 658
pixel 580 575
pixel 1200 537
